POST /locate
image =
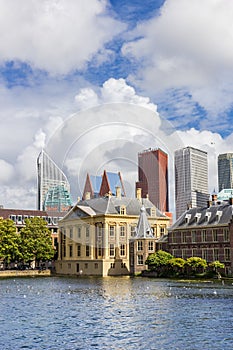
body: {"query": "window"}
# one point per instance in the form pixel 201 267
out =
pixel 184 237
pixel 153 212
pixel 150 246
pixel 216 254
pixel 140 259
pixel 140 246
pixel 100 251
pixel 69 266
pixel 122 249
pixel 79 250
pixel 64 251
pixel 193 236
pixel 112 231
pixel 87 232
pixel 122 231
pixel 19 219
pixel 132 231
pixel 205 254
pixel 112 265
pixel 87 250
pixel 13 217
pixel 122 210
pixel 70 250
pixel 77 267
pixel 162 230
pixel 86 265
pixel 71 233
pixel 204 236
pixel 96 265
pixel 227 254
pixel 226 234
pixel 123 266
pixel 111 250
pixel 215 235
pixel 79 232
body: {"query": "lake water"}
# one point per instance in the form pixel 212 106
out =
pixel 115 313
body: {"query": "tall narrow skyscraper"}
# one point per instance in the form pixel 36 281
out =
pixel 51 183
pixel 225 171
pixel 153 177
pixel 191 179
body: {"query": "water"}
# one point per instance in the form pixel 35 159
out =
pixel 114 313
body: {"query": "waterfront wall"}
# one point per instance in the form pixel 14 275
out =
pixel 24 273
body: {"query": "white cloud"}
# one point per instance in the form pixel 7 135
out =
pixel 55 35
pixel 7 172
pixel 188 46
pixel 113 90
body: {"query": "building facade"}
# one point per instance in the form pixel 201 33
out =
pixel 94 235
pixel 225 171
pixel 191 179
pixel 50 178
pixel 153 177
pixel 204 232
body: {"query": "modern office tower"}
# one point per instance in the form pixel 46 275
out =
pixel 53 187
pixel 153 177
pixel 191 179
pixel 225 171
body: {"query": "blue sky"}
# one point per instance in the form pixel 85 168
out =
pixel 58 57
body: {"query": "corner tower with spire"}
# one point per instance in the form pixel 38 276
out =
pixel 142 244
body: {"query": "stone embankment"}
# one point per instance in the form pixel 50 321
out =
pixel 24 273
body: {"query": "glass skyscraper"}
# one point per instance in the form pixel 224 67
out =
pixel 53 188
pixel 225 171
pixel 191 179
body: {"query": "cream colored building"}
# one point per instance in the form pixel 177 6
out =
pixel 95 233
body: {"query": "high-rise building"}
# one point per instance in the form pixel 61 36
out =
pixel 153 177
pixel 191 179
pixel 50 178
pixel 225 171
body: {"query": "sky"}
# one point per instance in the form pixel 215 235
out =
pixel 111 78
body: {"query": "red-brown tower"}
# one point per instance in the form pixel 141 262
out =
pixel 153 177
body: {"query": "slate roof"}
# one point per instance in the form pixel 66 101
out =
pixel 219 214
pixel 112 205
pixel 143 229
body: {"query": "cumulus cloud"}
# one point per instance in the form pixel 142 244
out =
pixel 188 46
pixel 113 90
pixel 7 171
pixel 55 35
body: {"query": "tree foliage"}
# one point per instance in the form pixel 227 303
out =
pixel 196 263
pixel 9 241
pixel 36 241
pixel 158 259
pixel 216 265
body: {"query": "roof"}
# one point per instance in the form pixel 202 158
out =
pixel 209 216
pixel 143 229
pixel 112 205
pixel 96 183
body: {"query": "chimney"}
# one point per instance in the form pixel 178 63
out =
pixel 118 192
pixel 214 197
pixel 87 195
pixel 139 193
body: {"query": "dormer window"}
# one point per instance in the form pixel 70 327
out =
pixel 187 218
pixel 218 215
pixel 207 216
pixel 197 217
pixel 122 210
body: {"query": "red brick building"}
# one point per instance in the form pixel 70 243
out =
pixel 153 177
pixel 206 233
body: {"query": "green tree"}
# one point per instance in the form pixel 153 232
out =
pixel 196 263
pixel 159 261
pixel 9 241
pixel 216 266
pixel 36 241
pixel 177 264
